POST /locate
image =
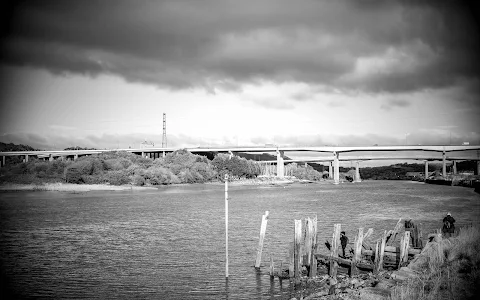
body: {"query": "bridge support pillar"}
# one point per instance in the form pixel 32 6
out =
pixel 426 170
pixel 163 154
pixel 444 165
pixel 26 158
pixel 50 157
pixel 336 171
pixel 280 164
pixel 454 167
pixel 75 157
pixel 357 172
pixel 3 161
pixel 330 170
pixel 477 169
pixel 231 155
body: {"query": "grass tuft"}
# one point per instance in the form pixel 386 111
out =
pixel 451 271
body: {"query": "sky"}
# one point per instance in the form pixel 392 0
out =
pixel 101 74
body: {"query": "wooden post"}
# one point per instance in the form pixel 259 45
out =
pixel 291 266
pixel 272 268
pixel 334 251
pixel 263 228
pixel 415 242
pixel 404 245
pixel 368 233
pixel 358 251
pixel 297 252
pixel 308 240
pixel 391 240
pixel 226 225
pixel 313 262
pixel 377 257
pixel 379 265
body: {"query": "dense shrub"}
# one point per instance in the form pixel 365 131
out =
pixel 138 180
pixel 300 172
pixel 56 168
pixel 93 179
pixel 117 178
pixel 237 167
pixel 158 175
pixel 74 175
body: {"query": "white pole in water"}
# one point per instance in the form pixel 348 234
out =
pixel 226 225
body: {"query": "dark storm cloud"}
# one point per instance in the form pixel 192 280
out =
pixel 374 46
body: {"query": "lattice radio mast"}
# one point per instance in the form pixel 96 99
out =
pixel 164 137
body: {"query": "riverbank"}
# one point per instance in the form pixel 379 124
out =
pixel 69 187
pixel 72 187
pixel 445 269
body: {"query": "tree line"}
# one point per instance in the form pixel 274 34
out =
pixel 121 167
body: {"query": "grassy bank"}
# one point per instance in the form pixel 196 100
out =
pixel 451 270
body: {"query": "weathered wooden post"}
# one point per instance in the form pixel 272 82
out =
pixel 381 251
pixel 291 266
pixel 308 240
pixel 334 251
pixel 226 225
pixel 368 233
pixel 404 243
pixel 263 228
pixel 357 256
pixel 272 268
pixel 297 252
pixel 313 261
pixel 392 238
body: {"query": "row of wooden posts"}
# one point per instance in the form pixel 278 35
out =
pixel 304 251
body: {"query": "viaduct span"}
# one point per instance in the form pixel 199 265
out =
pixel 333 151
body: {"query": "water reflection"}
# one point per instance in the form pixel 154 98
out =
pixel 227 290
pixel 258 280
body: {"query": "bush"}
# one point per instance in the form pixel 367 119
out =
pixel 237 167
pixel 159 175
pixel 73 175
pixel 138 180
pixel 116 178
pixel 56 168
pixel 93 179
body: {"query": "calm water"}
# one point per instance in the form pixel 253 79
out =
pixel 170 243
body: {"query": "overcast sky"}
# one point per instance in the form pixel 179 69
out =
pixel 102 73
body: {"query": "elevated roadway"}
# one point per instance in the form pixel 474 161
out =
pixel 156 152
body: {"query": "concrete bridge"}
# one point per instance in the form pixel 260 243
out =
pixel 358 159
pixel 335 151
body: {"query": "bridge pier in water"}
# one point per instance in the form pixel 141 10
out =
pixel 330 170
pixel 444 164
pixel 426 169
pixel 357 172
pixel 280 164
pixel 336 171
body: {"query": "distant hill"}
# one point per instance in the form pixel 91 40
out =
pixel 13 147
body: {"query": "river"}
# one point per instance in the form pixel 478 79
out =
pixel 170 243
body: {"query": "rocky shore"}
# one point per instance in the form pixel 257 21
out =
pixel 421 279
